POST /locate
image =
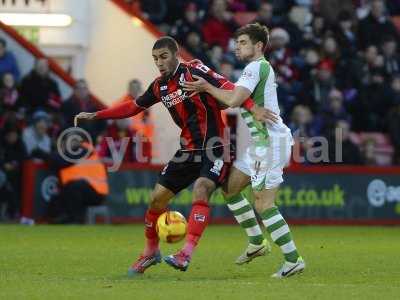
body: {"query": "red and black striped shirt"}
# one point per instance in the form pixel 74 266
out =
pixel 199 116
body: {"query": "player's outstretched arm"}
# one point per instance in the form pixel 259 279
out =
pixel 125 109
pixel 234 97
pixel 231 98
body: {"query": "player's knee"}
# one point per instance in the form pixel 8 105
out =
pixel 261 204
pixel 227 194
pixel 157 203
pixel 202 189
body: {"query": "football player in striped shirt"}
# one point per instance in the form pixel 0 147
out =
pixel 199 161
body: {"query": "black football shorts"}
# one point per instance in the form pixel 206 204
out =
pixel 186 166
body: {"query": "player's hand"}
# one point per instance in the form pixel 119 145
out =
pixel 195 61
pixel 263 114
pixel 200 85
pixel 84 116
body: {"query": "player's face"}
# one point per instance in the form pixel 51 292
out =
pixel 245 49
pixel 166 61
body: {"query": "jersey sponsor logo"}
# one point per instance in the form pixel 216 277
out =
pixel 174 98
pixel 217 167
pixel 182 80
pixel 163 88
pixel 199 218
pixel 246 75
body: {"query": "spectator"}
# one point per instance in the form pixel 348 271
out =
pixel 175 9
pixel 135 88
pixel 373 107
pixel 81 100
pixel 12 155
pixel 154 10
pixel 345 35
pixel 265 16
pixel 330 51
pixel 83 183
pixel 9 95
pixel 330 9
pixel 373 63
pixel 314 36
pixel 357 72
pixel 296 23
pixel 334 112
pixel 219 25
pixel 38 90
pixel 316 90
pixel 8 64
pixel 303 128
pixel 120 133
pixel 190 23
pixel 391 57
pixel 369 152
pixel 376 26
pixel 302 122
pixel 310 60
pixel 350 152
pixel 281 57
pixel 216 54
pixel 142 126
pixel 393 118
pixel 393 92
pixel 227 69
pixel 37 141
pixel 195 46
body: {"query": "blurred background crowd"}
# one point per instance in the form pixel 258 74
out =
pixel 33 114
pixel 335 60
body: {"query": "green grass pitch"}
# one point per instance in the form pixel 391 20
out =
pixel 90 262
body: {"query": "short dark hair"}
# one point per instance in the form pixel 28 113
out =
pixel 256 32
pixel 166 42
pixel 3 42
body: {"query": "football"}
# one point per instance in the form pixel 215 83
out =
pixel 171 227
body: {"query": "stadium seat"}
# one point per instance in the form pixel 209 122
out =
pixel 93 211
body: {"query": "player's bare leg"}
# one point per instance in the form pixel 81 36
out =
pixel 198 221
pixel 244 215
pixel 279 231
pixel 160 198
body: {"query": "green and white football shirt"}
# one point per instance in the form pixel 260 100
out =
pixel 259 78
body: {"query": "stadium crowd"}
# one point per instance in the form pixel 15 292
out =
pixel 33 114
pixel 335 60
